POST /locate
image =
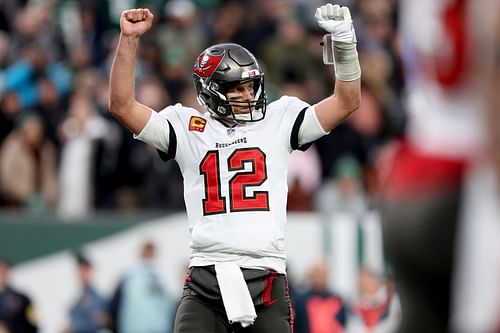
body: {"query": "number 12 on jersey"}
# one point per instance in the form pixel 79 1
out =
pixel 214 202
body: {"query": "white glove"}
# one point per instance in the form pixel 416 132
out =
pixel 337 21
pixel 339 46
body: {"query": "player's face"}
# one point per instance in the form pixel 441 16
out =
pixel 239 96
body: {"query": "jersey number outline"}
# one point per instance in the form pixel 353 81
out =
pixel 214 202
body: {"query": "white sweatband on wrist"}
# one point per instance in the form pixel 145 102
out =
pixel 310 129
pixel 346 61
pixel 344 56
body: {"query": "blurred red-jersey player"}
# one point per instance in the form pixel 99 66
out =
pixel 448 57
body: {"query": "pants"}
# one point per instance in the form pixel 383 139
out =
pixel 420 216
pixel 419 240
pixel 201 308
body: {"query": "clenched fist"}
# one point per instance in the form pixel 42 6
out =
pixel 337 21
pixel 135 22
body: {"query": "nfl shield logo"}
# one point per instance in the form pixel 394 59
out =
pixel 231 131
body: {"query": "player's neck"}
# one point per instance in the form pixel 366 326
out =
pixel 229 123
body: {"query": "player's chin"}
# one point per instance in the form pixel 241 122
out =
pixel 243 110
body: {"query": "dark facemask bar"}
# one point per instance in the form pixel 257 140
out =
pixel 257 106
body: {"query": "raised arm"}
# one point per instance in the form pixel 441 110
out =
pixel 340 49
pixel 122 103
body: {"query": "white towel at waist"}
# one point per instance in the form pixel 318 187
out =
pixel 235 295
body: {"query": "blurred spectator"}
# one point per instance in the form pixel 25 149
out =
pixel 304 178
pixel 82 26
pixel 180 35
pixel 33 26
pixel 112 151
pixel 4 48
pixel 28 167
pixel 17 314
pixel 228 23
pixel 372 305
pixel 391 322
pixel 51 109
pixel 10 109
pixel 259 25
pixel 318 309
pixel 161 183
pixel 285 57
pixel 141 304
pixel 188 98
pixel 32 64
pixel 369 120
pixel 151 93
pixel 378 18
pixel 343 192
pixel 179 38
pixel 383 91
pixel 79 132
pixel 88 314
pixel 370 123
pixel 8 10
pixel 343 140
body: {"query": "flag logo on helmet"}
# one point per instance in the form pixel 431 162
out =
pixel 207 64
pixel 250 74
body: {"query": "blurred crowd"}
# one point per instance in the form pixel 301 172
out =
pixel 62 153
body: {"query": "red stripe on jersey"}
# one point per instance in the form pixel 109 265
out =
pixel 268 286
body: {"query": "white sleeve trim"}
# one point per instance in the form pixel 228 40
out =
pixel 310 129
pixel 156 132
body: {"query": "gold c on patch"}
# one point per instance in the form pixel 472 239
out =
pixel 197 124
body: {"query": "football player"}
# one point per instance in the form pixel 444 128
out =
pixel 233 159
pixel 438 211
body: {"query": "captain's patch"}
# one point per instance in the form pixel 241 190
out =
pixel 197 124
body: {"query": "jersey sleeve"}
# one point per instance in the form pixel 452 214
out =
pixel 305 127
pixel 160 132
pixel 310 128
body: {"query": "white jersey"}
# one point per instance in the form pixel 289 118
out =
pixel 441 43
pixel 235 181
